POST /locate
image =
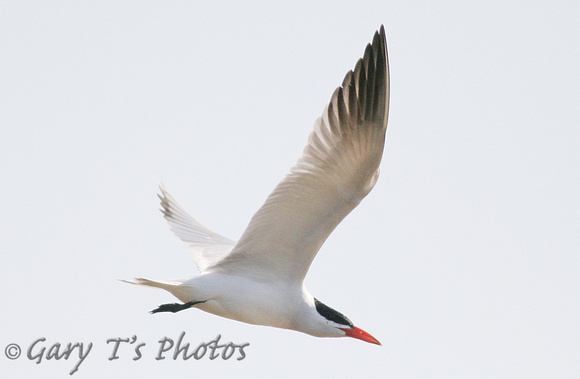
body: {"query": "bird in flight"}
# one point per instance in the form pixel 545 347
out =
pixel 259 279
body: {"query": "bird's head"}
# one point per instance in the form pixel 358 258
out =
pixel 337 323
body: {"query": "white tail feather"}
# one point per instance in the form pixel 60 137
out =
pixel 173 287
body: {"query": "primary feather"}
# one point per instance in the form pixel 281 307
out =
pixel 338 168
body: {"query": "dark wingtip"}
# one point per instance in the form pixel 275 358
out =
pixel 368 99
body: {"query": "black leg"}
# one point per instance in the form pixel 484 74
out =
pixel 175 307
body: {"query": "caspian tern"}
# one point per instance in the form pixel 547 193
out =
pixel 259 279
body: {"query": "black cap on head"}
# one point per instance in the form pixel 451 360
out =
pixel 331 314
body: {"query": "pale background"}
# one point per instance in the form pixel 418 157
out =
pixel 464 260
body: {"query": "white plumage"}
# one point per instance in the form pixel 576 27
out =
pixel 259 279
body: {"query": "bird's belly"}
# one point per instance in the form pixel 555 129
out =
pixel 251 301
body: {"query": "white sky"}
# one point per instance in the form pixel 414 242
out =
pixel 464 260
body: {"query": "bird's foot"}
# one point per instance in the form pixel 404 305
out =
pixel 175 307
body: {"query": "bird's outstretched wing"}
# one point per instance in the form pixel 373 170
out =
pixel 338 168
pixel 207 247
